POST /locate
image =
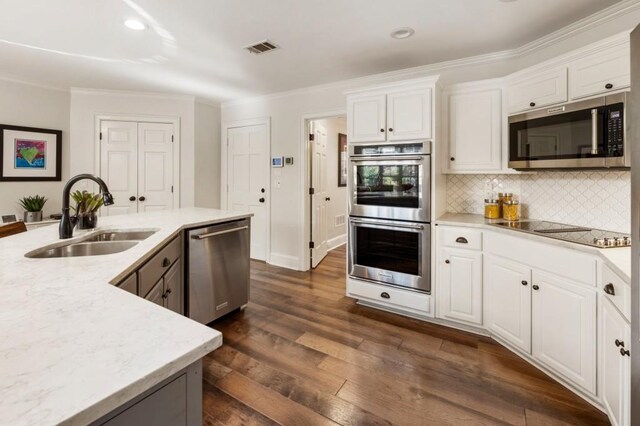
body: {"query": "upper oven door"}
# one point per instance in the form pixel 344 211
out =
pixel 569 136
pixel 391 187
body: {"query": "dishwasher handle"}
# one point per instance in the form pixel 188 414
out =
pixel 215 234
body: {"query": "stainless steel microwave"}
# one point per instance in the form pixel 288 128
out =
pixel 586 134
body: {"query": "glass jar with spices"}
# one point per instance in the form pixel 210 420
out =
pixel 511 210
pixel 491 208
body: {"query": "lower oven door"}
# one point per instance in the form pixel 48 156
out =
pixel 390 252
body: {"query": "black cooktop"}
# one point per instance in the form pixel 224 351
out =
pixel 575 234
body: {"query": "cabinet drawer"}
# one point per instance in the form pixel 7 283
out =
pixel 151 272
pixel 395 298
pixel 470 239
pixel 621 296
pixel 130 284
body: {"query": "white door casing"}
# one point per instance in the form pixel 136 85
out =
pixel 319 197
pixel 118 165
pixel 155 166
pixel 248 179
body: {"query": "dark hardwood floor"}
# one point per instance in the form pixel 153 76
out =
pixel 302 353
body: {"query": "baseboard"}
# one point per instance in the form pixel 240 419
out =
pixel 284 261
pixel 336 242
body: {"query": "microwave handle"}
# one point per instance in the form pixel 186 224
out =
pixel 594 132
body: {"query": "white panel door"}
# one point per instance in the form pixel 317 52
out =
pixel 320 197
pixel 460 297
pixel 366 118
pixel 616 368
pixel 409 114
pixel 155 166
pixel 247 177
pixel 507 300
pixel 564 328
pixel 543 89
pixel 475 130
pixel 118 165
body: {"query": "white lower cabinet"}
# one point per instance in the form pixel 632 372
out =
pixel 616 373
pixel 564 328
pixel 508 301
pixel 460 289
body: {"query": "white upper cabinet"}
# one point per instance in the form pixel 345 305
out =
pixel 541 89
pixel 507 295
pixel 604 71
pixel 409 114
pixel 366 118
pixel 474 128
pixel 564 328
pixel 615 375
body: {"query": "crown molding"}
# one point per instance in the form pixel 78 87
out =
pixel 592 21
pixel 106 92
pixel 32 83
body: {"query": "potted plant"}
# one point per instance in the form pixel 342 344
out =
pixel 87 205
pixel 33 206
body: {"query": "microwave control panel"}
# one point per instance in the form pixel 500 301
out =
pixel 615 131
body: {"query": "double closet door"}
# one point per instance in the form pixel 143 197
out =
pixel 136 162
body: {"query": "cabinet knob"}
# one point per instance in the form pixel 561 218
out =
pixel 385 295
pixel 532 104
pixel 142 198
pixel 132 198
pixel 608 86
pixel 524 282
pixel 166 262
pixel 391 129
pixel 624 352
pixel 619 343
pixel 165 295
pixel 609 289
pixel 453 158
pixel 535 287
pixel 462 240
pixel 447 261
pixel 261 200
pixel 327 199
pixel 381 130
pixel 262 190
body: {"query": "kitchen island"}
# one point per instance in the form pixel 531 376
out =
pixel 74 347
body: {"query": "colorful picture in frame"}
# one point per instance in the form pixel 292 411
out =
pixel 30 154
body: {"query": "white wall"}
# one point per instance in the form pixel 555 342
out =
pixel 87 104
pixel 30 106
pixel 286 111
pixel 207 155
pixel 338 204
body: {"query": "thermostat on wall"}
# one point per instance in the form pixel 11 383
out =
pixel 277 161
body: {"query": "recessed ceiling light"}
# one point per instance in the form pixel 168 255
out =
pixel 134 24
pixel 404 32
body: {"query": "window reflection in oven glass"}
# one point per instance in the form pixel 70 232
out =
pixel 397 251
pixel 393 186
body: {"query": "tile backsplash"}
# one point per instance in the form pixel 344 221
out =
pixel 597 199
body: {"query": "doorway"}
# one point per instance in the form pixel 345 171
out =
pixel 327 199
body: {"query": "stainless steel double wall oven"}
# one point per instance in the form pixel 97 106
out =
pixel 390 214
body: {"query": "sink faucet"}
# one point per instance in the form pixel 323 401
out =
pixel 67 222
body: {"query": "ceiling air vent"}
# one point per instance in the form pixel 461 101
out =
pixel 261 47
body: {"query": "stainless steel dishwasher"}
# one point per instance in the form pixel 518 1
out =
pixel 217 269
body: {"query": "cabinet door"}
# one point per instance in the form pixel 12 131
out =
pixel 130 284
pixel 507 299
pixel 475 130
pixel 156 293
pixel 615 377
pixel 460 297
pixel 173 288
pixel 409 114
pixel 600 73
pixel 564 328
pixel 544 89
pixel 366 118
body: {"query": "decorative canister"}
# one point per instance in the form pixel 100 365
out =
pixel 492 208
pixel 511 210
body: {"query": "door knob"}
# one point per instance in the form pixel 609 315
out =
pixel 261 200
pixel 142 198
pixel 132 198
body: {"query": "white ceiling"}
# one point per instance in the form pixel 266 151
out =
pixel 195 46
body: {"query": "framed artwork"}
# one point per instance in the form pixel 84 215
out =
pixel 30 154
pixel 342 159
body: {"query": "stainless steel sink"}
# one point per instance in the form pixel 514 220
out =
pixel 121 236
pixel 94 248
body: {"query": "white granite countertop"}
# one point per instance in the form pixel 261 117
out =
pixel 73 347
pixel 618 259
